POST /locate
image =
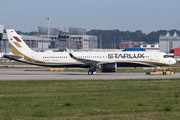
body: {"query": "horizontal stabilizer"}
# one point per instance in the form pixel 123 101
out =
pixel 12 56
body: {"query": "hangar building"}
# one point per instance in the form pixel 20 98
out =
pixel 169 42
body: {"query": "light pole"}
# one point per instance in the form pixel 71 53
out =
pixel 48 18
pixel 115 43
pixel 100 42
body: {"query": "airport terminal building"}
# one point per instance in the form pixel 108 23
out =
pixel 75 38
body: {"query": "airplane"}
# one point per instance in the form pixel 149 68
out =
pixel 105 61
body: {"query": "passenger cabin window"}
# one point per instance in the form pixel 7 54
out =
pixel 152 45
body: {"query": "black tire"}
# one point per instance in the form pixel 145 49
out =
pixel 164 73
pixel 90 72
pixel 148 73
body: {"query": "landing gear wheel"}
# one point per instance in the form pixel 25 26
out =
pixel 164 73
pixel 90 72
pixel 148 73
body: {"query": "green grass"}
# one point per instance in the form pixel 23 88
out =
pixel 176 65
pixel 90 100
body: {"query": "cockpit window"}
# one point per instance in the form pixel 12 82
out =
pixel 167 56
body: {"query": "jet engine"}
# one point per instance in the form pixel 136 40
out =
pixel 108 67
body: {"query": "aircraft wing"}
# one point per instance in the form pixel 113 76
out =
pixel 85 61
pixel 10 56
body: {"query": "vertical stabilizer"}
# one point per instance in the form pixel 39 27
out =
pixel 18 46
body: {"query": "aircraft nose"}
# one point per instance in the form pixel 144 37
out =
pixel 172 61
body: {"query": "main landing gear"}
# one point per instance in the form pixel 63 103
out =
pixel 92 70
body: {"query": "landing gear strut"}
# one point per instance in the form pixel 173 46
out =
pixel 92 70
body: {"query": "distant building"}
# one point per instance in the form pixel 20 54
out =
pixel 168 42
pixel 150 47
pixel 76 38
pixel 125 45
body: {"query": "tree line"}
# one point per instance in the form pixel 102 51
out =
pixel 108 36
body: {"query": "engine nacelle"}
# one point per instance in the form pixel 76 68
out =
pixel 108 67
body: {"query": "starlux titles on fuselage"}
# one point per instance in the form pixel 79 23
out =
pixel 125 55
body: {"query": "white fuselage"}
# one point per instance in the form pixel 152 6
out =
pixel 135 57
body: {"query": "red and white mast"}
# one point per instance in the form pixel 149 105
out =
pixel 48 18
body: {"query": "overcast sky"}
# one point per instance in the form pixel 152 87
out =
pixel 131 15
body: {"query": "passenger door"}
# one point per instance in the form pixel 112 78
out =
pixel 156 56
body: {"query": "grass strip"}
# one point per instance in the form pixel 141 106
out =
pixel 92 99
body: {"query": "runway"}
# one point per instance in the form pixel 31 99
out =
pixel 21 74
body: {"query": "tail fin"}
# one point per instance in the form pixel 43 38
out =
pixel 18 46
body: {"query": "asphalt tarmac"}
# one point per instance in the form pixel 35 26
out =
pixel 22 74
